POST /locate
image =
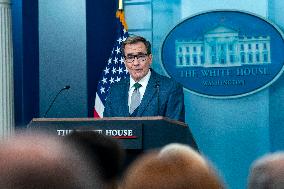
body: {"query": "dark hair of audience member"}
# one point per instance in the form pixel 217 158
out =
pixel 32 161
pixel 106 153
pixel 162 170
pixel 267 172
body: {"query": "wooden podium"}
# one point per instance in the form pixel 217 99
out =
pixel 137 133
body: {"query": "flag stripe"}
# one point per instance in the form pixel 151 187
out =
pixel 99 107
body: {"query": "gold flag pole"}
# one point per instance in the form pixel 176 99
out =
pixel 120 13
pixel 120 4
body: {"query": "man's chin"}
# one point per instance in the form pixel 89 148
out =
pixel 137 78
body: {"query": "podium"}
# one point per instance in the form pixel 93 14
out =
pixel 134 133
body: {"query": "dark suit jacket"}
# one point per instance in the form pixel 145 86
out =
pixel 161 91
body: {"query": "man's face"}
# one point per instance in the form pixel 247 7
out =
pixel 137 61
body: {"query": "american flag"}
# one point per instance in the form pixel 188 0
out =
pixel 115 69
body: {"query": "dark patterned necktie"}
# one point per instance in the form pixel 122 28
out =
pixel 135 98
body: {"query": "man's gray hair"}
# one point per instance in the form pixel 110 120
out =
pixel 267 172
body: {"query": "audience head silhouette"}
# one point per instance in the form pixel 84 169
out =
pixel 30 161
pixel 267 172
pixel 176 166
pixel 106 154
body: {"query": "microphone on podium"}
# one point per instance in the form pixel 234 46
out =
pixel 49 107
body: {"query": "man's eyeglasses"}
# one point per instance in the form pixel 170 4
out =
pixel 140 58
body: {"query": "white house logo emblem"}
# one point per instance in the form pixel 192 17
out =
pixel 224 53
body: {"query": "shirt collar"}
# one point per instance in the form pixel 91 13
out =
pixel 143 81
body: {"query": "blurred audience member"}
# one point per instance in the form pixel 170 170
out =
pixel 33 161
pixel 267 172
pixel 106 154
pixel 176 166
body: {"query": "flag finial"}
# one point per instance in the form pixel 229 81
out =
pixel 120 4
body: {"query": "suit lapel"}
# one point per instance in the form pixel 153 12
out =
pixel 124 98
pixel 149 93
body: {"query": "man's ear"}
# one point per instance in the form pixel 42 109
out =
pixel 150 58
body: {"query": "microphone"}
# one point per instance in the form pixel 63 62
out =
pixel 157 86
pixel 49 107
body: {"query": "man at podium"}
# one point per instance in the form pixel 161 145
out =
pixel 145 92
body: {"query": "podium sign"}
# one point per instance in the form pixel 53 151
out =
pixel 132 132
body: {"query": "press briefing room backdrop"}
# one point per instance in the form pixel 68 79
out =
pixel 67 42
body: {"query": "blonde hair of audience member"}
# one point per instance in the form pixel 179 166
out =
pixel 30 161
pixel 267 172
pixel 176 167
